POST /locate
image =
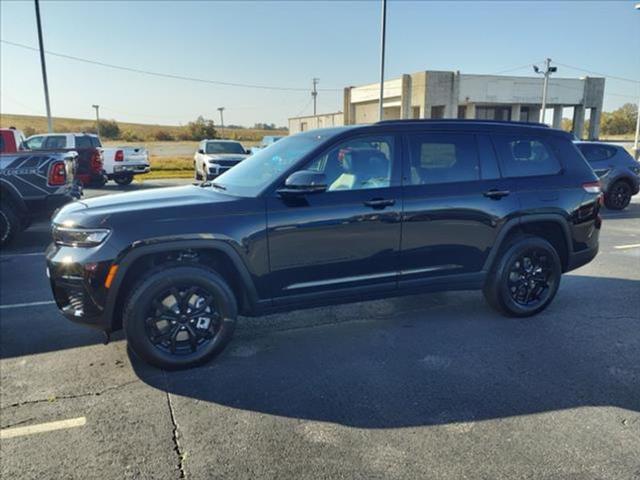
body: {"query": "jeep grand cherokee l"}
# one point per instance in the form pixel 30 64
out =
pixel 330 216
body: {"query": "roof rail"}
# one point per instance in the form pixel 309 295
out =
pixel 461 120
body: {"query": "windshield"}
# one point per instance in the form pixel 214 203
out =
pixel 224 147
pixel 254 174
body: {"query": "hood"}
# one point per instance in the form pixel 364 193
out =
pixel 157 202
pixel 226 156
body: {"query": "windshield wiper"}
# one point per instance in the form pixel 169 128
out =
pixel 217 185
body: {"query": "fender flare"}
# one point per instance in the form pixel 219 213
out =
pixel 514 223
pixel 127 259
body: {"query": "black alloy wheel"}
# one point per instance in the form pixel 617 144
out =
pixel 619 196
pixel 530 278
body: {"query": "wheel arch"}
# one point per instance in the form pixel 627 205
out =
pixel 8 192
pixel 217 254
pixel 552 227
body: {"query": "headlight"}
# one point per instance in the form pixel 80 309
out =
pixel 79 237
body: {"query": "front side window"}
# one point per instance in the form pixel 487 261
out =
pixel 442 158
pixel 223 148
pixel 522 156
pixel 34 143
pixel 357 164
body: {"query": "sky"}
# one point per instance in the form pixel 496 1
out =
pixel 285 44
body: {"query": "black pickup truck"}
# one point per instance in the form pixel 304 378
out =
pixel 32 185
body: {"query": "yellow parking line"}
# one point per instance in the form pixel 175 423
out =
pixel 42 428
pixel 626 247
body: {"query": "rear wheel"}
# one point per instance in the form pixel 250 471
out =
pixel 123 180
pixel 10 223
pixel 198 175
pixel 180 316
pixel 619 196
pixel 525 279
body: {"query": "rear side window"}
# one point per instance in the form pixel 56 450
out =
pixel 523 156
pixel 57 141
pixel 596 153
pixel 83 141
pixel 442 158
pixel 95 142
pixel 35 143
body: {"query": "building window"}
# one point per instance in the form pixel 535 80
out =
pixel 462 111
pixel 303 126
pixel 493 113
pixel 437 111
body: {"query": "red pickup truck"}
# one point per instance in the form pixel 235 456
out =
pixel 11 140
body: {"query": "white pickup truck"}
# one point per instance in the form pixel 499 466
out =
pixel 120 164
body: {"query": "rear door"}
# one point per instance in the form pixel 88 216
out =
pixel 454 204
pixel 334 242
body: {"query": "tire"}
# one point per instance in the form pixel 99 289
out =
pixel 166 341
pixel 98 182
pixel 517 289
pixel 10 224
pixel 197 175
pixel 123 180
pixel 618 196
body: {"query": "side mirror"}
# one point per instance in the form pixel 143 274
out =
pixel 201 151
pixel 248 151
pixel 303 182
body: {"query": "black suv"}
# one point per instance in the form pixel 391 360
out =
pixel 331 216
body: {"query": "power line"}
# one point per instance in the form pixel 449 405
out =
pixel 614 77
pixel 161 74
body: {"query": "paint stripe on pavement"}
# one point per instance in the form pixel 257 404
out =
pixel 627 247
pixel 42 428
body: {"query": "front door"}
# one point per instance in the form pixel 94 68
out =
pixel 333 242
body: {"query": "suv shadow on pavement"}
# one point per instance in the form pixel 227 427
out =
pixel 455 361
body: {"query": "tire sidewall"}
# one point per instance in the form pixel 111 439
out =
pixel 10 224
pixel 138 305
pixel 125 180
pixel 514 251
pixel 608 197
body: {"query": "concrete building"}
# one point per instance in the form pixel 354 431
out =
pixel 302 124
pixel 441 94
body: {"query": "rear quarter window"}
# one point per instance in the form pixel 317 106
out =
pixel 526 156
pixel 56 141
pixel 84 141
pixel 596 153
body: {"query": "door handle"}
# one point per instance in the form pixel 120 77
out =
pixel 380 203
pixel 496 194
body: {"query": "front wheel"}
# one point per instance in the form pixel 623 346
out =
pixel 10 224
pixel 179 316
pixel 619 196
pixel 525 279
pixel 123 180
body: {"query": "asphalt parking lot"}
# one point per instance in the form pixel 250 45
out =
pixel 429 386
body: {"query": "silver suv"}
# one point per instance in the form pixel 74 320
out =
pixel 618 172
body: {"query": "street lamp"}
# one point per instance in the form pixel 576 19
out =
pixel 548 70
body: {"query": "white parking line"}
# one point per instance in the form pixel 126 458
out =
pixel 626 247
pixel 22 305
pixel 42 427
pixel 34 254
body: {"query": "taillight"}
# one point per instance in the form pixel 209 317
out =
pixel 57 174
pixel 119 156
pixel 592 187
pixel 96 162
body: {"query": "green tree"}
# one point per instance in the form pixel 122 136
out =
pixel 621 121
pixel 201 129
pixel 109 129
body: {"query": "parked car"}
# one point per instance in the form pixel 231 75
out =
pixel 32 185
pixel 618 171
pixel 11 140
pixel 89 163
pixel 122 163
pixel 331 216
pixel 266 142
pixel 215 157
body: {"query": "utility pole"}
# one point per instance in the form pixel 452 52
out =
pixel 97 107
pixel 382 45
pixel 314 94
pixel 221 109
pixel 548 70
pixel 44 68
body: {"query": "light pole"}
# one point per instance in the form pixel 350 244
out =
pixel 635 143
pixel 221 109
pixel 44 68
pixel 548 70
pixel 97 107
pixel 314 94
pixel 382 45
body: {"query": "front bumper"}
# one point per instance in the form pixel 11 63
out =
pixel 77 277
pixel 216 169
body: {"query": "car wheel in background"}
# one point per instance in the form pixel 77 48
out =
pixel 9 223
pixel 179 316
pixel 525 278
pixel 98 182
pixel 123 180
pixel 197 175
pixel 618 196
